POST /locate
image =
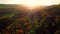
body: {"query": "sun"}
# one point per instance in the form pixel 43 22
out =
pixel 31 2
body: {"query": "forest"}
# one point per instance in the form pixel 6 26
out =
pixel 18 19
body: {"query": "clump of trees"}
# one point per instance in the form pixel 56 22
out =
pixel 50 24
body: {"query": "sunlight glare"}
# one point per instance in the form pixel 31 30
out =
pixel 32 3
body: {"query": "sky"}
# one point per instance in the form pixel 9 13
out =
pixel 30 2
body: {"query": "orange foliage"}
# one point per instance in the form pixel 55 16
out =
pixel 20 19
pixel 26 23
pixel 18 26
pixel 20 31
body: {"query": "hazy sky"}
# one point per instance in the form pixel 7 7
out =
pixel 31 2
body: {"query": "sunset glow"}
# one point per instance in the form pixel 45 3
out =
pixel 33 2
